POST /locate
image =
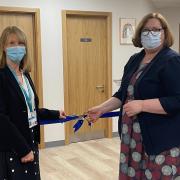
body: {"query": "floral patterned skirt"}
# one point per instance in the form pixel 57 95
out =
pixel 135 164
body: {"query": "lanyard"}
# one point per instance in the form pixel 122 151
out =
pixel 28 97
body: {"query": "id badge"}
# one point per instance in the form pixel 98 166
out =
pixel 32 121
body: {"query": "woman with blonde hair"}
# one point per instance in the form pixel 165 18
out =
pixel 149 98
pixel 19 111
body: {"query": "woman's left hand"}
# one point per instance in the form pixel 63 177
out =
pixel 62 114
pixel 133 108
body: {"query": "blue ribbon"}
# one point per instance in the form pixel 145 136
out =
pixel 77 126
pixel 80 119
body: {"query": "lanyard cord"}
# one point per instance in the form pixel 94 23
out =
pixel 28 97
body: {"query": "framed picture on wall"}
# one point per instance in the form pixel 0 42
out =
pixel 127 29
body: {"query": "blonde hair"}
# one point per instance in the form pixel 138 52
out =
pixel 24 65
pixel 169 40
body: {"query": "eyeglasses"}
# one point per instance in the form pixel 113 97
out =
pixel 154 31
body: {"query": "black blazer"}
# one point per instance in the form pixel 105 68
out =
pixel 14 126
pixel 161 79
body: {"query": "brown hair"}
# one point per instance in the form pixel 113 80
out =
pixel 169 40
pixel 22 38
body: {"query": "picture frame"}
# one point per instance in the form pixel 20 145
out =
pixel 126 30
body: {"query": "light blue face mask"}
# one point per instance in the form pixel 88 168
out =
pixel 16 53
pixel 151 41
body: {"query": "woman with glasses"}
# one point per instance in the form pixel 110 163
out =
pixel 149 98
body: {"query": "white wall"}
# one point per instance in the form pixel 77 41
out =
pixel 172 15
pixel 52 58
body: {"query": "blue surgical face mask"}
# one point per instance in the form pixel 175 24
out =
pixel 150 41
pixel 16 53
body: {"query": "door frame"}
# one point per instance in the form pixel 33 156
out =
pixel 179 38
pixel 108 16
pixel 35 12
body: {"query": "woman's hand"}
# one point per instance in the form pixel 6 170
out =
pixel 133 108
pixel 28 158
pixel 62 114
pixel 94 113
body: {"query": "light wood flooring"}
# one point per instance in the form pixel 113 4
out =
pixel 90 160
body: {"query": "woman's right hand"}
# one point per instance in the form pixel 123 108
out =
pixel 94 113
pixel 28 158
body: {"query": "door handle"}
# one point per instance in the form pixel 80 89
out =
pixel 100 88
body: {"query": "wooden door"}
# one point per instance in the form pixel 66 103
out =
pixel 87 70
pixel 25 23
pixel 27 20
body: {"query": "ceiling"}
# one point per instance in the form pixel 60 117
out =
pixel 166 3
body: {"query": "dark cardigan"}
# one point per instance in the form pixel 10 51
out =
pixel 14 126
pixel 161 79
